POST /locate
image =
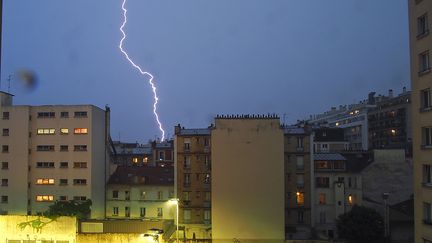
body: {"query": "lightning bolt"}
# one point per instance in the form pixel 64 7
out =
pixel 144 73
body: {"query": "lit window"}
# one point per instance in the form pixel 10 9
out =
pixel 45 131
pixel 393 132
pixel 300 198
pixel 337 123
pixel 350 199
pixel 145 159
pixel 45 181
pixel 64 131
pixel 135 160
pixel 322 198
pixel 80 131
pixel 44 198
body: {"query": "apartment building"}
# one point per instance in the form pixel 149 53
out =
pixel 193 178
pixel 390 123
pixel 421 84
pixel 52 152
pixel 328 140
pixel 163 153
pixel 132 154
pixel 141 193
pixel 298 174
pixel 248 179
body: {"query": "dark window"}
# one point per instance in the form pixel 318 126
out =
pixel 323 182
pixel 64 164
pixel 64 148
pixel 5 149
pixel 64 114
pixel 300 217
pixel 79 198
pixel 79 181
pixel 80 114
pixel 4 182
pixel 63 198
pixel 5 131
pixel 63 182
pixel 115 194
pixel 80 165
pixel 6 115
pixel 4 199
pixel 5 165
pixel 45 148
pixel 425 99
pixel 45 164
pixel 422 25
pixel 46 114
pixel 80 147
pixel 424 62
pixel 427 136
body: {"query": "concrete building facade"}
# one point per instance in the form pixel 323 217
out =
pixel 421 84
pixel 59 153
pixel 248 179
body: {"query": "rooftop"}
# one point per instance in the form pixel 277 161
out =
pixel 328 156
pixel 195 131
pixel 142 175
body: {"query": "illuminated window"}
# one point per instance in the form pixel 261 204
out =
pixel 44 198
pixel 64 130
pixel 350 199
pixel 337 123
pixel 80 131
pixel 145 159
pixel 322 198
pixel 300 198
pixel 393 132
pixel 322 165
pixel 135 160
pixel 45 131
pixel 45 181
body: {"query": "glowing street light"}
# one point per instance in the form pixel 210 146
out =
pixel 176 202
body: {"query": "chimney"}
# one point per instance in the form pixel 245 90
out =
pixel 390 93
pixel 404 89
pixel 177 129
pixel 371 98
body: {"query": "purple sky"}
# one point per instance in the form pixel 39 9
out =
pixel 208 57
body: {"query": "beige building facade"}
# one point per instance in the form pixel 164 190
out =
pixel 248 179
pixel 421 84
pixel 51 153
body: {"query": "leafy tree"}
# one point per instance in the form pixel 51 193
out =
pixel 70 208
pixel 361 223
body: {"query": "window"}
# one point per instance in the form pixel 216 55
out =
pixel 4 199
pixel 300 181
pixel 80 114
pixel 135 160
pixel 160 195
pixel 79 198
pixel 63 182
pixel 64 114
pixel 207 214
pixel 143 195
pixel 79 181
pixel 44 198
pixel 299 142
pixel 427 217
pixel 339 165
pixel 45 148
pixel 159 212
pixel 127 211
pixel 142 212
pixel 426 136
pixel 186 214
pixel 161 155
pixel 44 164
pixel 145 159
pixel 80 131
pixel 187 179
pixel 427 178
pixel 324 147
pixel 115 194
pixel 63 198
pixel 5 166
pixel 64 131
pixel 5 132
pixel 45 181
pixel 64 148
pixel 171 194
pixel 322 217
pixel 187 144
pixel 46 114
pixel 4 182
pixel 322 182
pixel 5 115
pixel 115 211
pixel 425 99
pixel 127 195
pixel 186 163
pixel 422 25
pixel 206 142
pixel 350 199
pixel 5 149
pixel 300 198
pixel 424 62
pixel 322 198
pixel 207 196
pixel 80 147
pixel 207 162
pixel 45 131
pixel 64 164
pixel 322 165
pixel 300 216
pixel 207 179
pixel 80 164
pixel 299 163
pixel 186 196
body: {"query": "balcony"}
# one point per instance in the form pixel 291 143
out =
pixel 207 204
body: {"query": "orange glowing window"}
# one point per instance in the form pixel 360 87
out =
pixel 80 131
pixel 44 198
pixel 135 160
pixel 350 199
pixel 45 181
pixel 145 159
pixel 300 198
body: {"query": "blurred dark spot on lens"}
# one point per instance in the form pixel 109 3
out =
pixel 27 79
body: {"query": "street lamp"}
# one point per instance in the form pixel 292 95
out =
pixel 176 202
pixel 385 196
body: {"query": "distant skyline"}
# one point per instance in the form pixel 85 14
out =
pixel 214 57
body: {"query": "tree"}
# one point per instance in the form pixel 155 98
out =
pixel 361 223
pixel 70 208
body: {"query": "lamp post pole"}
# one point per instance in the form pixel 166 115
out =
pixel 176 201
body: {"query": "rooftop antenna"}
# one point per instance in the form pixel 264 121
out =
pixel 9 79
